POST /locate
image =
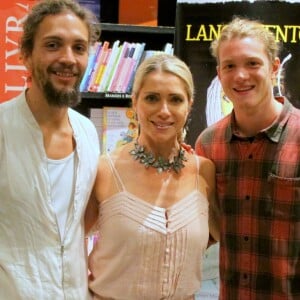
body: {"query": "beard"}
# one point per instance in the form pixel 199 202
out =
pixel 57 97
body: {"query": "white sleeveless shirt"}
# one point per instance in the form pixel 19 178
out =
pixel 62 174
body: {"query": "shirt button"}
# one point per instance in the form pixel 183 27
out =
pixel 167 250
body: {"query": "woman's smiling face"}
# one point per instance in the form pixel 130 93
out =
pixel 162 106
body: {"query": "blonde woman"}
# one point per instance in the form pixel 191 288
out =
pixel 151 196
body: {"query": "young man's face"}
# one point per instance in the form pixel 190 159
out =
pixel 246 72
pixel 59 57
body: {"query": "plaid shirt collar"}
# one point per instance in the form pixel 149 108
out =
pixel 273 132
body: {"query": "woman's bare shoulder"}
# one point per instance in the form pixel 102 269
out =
pixel 206 168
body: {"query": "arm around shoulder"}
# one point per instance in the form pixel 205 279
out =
pixel 91 213
pixel 208 172
pixel 92 209
pixel 198 146
pixel 101 189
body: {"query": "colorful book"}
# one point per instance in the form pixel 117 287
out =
pixel 94 52
pixel 109 67
pixel 113 69
pixel 125 69
pixel 119 127
pixel 137 59
pixel 97 80
pixel 123 54
pixel 98 63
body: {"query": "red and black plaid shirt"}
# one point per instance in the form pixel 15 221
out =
pixel 258 187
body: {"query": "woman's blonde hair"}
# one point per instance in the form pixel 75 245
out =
pixel 165 63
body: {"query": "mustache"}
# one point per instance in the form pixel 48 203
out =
pixel 64 68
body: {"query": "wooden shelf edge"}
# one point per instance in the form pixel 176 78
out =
pixel 137 28
pixel 106 95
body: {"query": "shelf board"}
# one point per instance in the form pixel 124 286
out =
pixel 137 28
pixel 106 95
pixel 89 100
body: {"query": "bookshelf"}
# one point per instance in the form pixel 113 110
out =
pixel 155 38
pixel 99 100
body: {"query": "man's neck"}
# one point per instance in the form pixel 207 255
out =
pixel 248 125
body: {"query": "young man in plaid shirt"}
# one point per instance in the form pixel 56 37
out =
pixel 256 150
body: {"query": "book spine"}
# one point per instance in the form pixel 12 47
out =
pixel 125 68
pixel 94 52
pixel 109 68
pixel 137 58
pixel 94 68
pixel 114 68
pixel 98 66
pixel 168 48
pixel 124 53
pixel 95 86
